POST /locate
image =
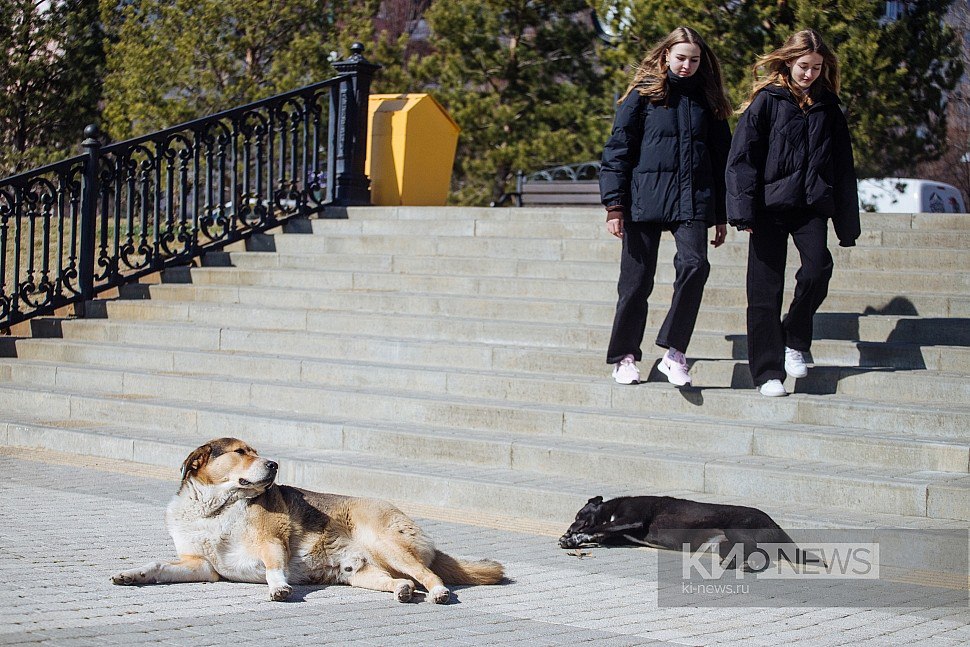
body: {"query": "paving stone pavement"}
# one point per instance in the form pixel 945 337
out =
pixel 70 522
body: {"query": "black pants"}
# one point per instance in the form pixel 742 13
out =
pixel 638 264
pixel 768 334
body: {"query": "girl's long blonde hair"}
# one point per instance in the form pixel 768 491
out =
pixel 650 78
pixel 773 68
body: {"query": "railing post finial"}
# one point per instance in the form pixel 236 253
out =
pixel 91 131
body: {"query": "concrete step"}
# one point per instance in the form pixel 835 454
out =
pixel 919 499
pixel 876 383
pixel 580 223
pixel 519 402
pixel 419 213
pixel 448 305
pixel 927 240
pixel 582 230
pixel 828 325
pixel 419 344
pixel 573 249
pixel 86 364
pixel 948 331
pixel 492 247
pixel 913 384
pixel 295 332
pixel 181 301
pixel 865 280
pixel 930 305
pixel 888 385
pixel 869 221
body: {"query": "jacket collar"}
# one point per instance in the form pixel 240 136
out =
pixel 681 83
pixel 825 97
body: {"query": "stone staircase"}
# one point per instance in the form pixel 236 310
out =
pixel 455 357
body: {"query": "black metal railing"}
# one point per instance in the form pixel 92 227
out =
pixel 73 229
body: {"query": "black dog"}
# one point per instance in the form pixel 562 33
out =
pixel 666 522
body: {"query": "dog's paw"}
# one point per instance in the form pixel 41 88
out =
pixel 280 593
pixel 404 591
pixel 143 575
pixel 123 579
pixel 575 541
pixel 440 595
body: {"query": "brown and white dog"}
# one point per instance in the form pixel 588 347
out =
pixel 230 520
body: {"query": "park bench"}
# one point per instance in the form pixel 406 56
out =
pixel 559 186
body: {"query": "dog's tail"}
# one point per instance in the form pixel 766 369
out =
pixel 459 571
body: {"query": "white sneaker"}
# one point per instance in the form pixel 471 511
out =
pixel 625 371
pixel 795 363
pixel 773 389
pixel 674 365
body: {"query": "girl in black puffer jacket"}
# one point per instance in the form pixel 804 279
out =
pixel 663 169
pixel 790 170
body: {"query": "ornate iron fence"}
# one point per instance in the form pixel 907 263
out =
pixel 73 229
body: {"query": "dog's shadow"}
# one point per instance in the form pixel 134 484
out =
pixel 301 592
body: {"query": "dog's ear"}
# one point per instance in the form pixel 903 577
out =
pixel 196 460
pixel 596 499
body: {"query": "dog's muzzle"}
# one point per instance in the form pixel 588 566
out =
pixel 271 469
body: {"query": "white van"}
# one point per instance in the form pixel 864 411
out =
pixel 909 195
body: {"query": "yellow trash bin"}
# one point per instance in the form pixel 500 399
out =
pixel 410 151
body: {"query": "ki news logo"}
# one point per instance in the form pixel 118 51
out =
pixel 828 561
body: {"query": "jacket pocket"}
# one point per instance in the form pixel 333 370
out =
pixel 654 195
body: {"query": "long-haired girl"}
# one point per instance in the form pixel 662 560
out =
pixel 790 170
pixel 663 170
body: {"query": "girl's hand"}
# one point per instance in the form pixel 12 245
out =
pixel 615 227
pixel 720 233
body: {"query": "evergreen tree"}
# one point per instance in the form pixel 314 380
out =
pixel 953 166
pixel 527 81
pixel 170 61
pixel 51 79
pixel 398 45
pixel 927 64
pixel 521 80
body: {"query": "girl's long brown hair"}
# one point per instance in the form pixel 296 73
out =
pixel 650 78
pixel 772 68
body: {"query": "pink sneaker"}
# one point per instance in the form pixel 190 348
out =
pixel 625 371
pixel 674 366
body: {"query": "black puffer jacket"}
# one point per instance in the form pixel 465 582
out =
pixel 665 163
pixel 784 158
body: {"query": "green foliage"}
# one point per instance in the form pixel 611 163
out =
pixel 520 78
pixel 528 82
pixel 953 166
pixel 174 60
pixel 51 79
pixel 895 75
pixel 928 67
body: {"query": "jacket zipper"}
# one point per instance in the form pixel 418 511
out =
pixel 807 155
pixel 687 196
